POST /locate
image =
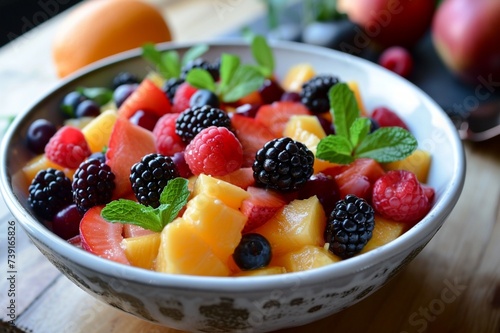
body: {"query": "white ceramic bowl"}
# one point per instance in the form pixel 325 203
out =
pixel 248 303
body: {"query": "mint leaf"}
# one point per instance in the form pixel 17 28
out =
pixel 344 108
pixel 263 55
pixel 387 144
pixel 128 211
pixel 359 130
pixel 99 95
pixel 194 52
pixel 201 79
pixel 245 80
pixel 171 64
pixel 228 65
pixel 335 149
pixel 173 197
pixel 151 54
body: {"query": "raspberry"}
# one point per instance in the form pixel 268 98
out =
pixel 349 226
pixel 182 97
pixel 49 192
pixel 387 118
pixel 195 119
pixel 283 164
pixel 166 140
pixel 68 147
pixel 314 93
pixel 149 177
pixel 398 196
pixel 214 151
pixel 93 184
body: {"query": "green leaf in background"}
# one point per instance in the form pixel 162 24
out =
pixel 263 55
pixel 201 79
pixel 359 130
pixel 387 144
pixel 228 65
pixel 151 54
pixel 171 63
pixel 194 53
pixel 99 95
pixel 335 149
pixel 245 80
pixel 344 108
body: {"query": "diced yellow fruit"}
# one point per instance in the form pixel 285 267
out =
pixel 297 76
pixel 41 162
pixel 300 223
pixel 353 85
pixel 310 124
pixel 183 251
pixel 157 79
pixel 142 251
pixel 98 131
pixel 305 258
pixel 419 162
pixel 219 225
pixel 263 271
pixel 228 193
pixel 384 232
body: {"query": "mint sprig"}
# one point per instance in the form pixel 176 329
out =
pixel 353 140
pixel 263 55
pixel 236 80
pixel 173 197
pixel 169 63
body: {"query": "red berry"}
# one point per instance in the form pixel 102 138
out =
pixel 398 195
pixel 182 97
pixel 214 151
pixel 68 147
pixel 398 60
pixel 166 140
pixel 387 118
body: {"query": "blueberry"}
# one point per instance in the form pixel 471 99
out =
pixel 87 108
pixel 39 134
pixel 374 125
pixel 253 251
pixel 122 92
pixel 124 78
pixel 204 97
pixel 70 102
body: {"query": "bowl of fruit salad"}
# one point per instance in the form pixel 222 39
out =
pixel 232 186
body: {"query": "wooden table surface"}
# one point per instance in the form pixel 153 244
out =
pixel 453 285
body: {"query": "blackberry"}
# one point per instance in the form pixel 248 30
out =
pixel 283 164
pixel 93 184
pixel 314 94
pixel 170 87
pixel 124 78
pixel 150 175
pixel 49 192
pixel 349 226
pixel 213 69
pixel 195 119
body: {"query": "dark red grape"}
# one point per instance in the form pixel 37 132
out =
pixel 204 97
pixel 144 119
pixel 325 188
pixel 87 108
pixel 327 125
pixel 270 91
pixel 181 165
pixel 39 133
pixel 290 97
pixel 121 93
pixel 66 222
pixel 248 110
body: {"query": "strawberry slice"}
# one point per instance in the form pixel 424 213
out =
pixel 242 177
pixel 260 206
pixel 132 230
pixel 147 97
pixel 358 178
pixel 275 116
pixel 252 135
pixel 101 237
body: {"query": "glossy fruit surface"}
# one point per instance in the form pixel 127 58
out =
pixel 398 60
pixel 253 251
pixel 39 134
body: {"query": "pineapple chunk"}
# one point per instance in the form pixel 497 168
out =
pixel 218 225
pixel 297 76
pixel 183 251
pixel 299 223
pixel 384 232
pixel 305 258
pixel 228 193
pixel 141 251
pixel 272 270
pixel 299 123
pixel 353 85
pixel 419 162
pixel 41 162
pixel 98 131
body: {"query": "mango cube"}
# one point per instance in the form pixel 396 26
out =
pixel 305 258
pixel 228 193
pixel 142 251
pixel 98 131
pixel 419 162
pixel 384 232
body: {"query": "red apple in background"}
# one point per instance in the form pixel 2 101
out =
pixel 466 34
pixel 391 22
